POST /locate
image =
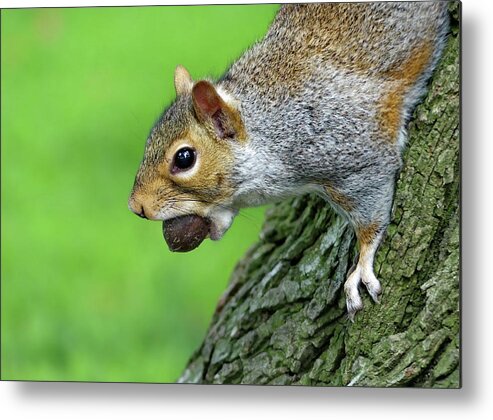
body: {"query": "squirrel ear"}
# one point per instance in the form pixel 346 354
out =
pixel 183 80
pixel 206 100
pixel 210 107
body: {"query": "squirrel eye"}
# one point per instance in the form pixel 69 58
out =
pixel 184 159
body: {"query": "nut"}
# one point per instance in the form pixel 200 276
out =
pixel 185 233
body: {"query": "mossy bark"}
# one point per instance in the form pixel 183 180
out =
pixel 285 319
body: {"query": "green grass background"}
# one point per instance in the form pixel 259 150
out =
pixel 90 292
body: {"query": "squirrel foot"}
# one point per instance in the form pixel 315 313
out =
pixel 364 275
pixel 353 298
pixel 372 284
pixel 369 236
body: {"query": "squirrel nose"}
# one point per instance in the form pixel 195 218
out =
pixel 142 213
pixel 137 208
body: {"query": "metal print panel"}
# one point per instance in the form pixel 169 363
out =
pixel 295 170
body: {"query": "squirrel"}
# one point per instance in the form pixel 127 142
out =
pixel 320 104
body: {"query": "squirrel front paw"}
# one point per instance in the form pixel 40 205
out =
pixel 353 298
pixel 372 284
pixel 364 275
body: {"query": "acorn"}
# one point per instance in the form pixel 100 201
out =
pixel 185 233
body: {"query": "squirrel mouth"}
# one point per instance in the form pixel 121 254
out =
pixel 185 233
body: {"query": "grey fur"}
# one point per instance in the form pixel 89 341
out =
pixel 327 131
pixel 312 118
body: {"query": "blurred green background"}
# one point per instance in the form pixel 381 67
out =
pixel 90 292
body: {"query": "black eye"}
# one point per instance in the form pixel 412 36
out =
pixel 184 159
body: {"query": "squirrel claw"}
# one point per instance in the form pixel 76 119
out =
pixel 353 307
pixel 352 310
pixel 372 285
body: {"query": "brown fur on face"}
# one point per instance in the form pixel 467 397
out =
pixel 160 193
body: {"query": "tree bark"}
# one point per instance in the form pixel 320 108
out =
pixel 285 322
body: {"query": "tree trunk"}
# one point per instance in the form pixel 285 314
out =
pixel 285 322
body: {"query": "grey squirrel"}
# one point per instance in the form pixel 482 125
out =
pixel 320 104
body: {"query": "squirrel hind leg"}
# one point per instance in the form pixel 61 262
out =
pixel 369 238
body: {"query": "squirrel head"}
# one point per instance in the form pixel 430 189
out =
pixel 188 158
